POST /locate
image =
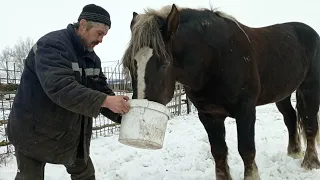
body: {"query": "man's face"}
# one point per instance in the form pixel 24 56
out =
pixel 92 35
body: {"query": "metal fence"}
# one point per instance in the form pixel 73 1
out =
pixel 10 73
pixel 102 126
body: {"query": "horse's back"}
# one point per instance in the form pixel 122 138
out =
pixel 307 36
pixel 284 53
pixel 310 39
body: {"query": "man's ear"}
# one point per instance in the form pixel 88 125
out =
pixel 82 23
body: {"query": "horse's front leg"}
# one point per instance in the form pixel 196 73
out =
pixel 214 125
pixel 245 117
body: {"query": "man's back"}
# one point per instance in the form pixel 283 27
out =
pixel 61 89
pixel 46 109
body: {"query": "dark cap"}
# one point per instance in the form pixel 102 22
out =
pixel 92 12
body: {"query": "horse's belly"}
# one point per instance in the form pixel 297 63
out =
pixel 277 87
pixel 271 98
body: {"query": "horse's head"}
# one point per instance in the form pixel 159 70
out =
pixel 149 55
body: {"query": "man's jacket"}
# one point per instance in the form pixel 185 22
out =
pixel 62 87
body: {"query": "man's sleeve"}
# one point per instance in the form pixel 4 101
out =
pixel 57 79
pixel 104 87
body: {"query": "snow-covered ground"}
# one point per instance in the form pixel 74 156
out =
pixel 186 154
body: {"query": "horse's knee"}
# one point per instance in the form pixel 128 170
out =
pixel 289 114
pixel 309 123
pixel 308 108
pixel 215 128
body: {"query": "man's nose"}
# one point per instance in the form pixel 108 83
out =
pixel 100 39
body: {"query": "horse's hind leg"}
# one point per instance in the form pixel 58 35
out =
pixel 307 107
pixel 290 120
pixel 214 125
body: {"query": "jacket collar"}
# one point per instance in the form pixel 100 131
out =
pixel 78 43
pixel 76 40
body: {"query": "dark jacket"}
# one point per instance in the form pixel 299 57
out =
pixel 62 87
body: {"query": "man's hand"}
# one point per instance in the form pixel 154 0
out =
pixel 117 104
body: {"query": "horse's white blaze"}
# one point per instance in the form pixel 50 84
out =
pixel 142 57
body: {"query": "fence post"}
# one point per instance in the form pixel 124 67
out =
pixel 188 104
pixel 14 73
pixel 179 98
pixel 7 69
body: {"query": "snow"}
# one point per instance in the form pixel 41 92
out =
pixel 186 154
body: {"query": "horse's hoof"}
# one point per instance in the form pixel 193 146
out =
pixel 223 177
pixel 296 155
pixel 253 177
pixel 252 174
pixel 311 164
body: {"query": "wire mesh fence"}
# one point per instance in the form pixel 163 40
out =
pixel 102 126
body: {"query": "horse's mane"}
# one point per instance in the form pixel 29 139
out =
pixel 145 32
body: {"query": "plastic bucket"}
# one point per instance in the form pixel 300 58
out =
pixel 144 126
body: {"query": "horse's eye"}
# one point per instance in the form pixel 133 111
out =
pixel 164 67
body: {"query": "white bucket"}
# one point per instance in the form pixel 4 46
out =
pixel 144 126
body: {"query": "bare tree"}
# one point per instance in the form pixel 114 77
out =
pixel 12 59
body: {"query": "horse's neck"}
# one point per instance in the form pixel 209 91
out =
pixel 191 77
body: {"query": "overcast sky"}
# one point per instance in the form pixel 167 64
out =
pixel 34 18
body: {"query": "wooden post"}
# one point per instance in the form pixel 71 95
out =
pixel 188 105
pixel 179 99
pixel 7 69
pixel 14 73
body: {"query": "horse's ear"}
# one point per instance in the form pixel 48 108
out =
pixel 134 14
pixel 172 22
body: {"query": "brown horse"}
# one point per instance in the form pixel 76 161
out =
pixel 227 70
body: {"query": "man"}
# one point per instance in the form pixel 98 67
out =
pixel 61 89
